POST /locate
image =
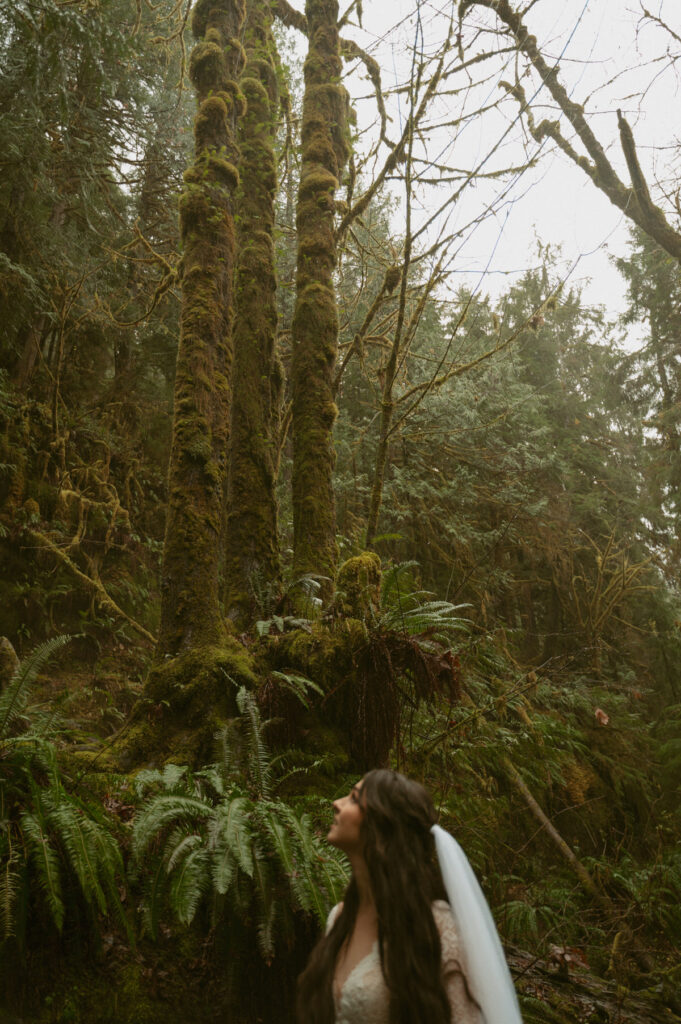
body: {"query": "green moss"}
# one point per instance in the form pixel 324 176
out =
pixel 252 567
pixel 223 171
pixel 200 15
pixel 207 68
pixel 186 701
pixel 235 97
pixel 210 124
pixel 315 321
pixel 358 586
pixel 191 617
pixel 315 181
pixel 360 707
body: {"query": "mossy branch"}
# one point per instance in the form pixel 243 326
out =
pixel 91 583
pixel 290 17
pixel 392 277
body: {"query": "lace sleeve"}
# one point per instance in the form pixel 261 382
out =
pixel 464 1008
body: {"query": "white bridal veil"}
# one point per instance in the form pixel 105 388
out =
pixel 487 971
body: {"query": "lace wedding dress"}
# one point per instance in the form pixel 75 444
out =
pixel 363 999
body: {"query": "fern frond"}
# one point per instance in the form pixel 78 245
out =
pixel 267 907
pixel 280 840
pixel 169 778
pixel 161 811
pixel 303 880
pixel 298 685
pixel 10 881
pixel 259 764
pixel 185 845
pixel 14 698
pixel 419 616
pixel 189 883
pixel 155 892
pixel 222 869
pixel 46 863
pixel 77 834
pixel 230 829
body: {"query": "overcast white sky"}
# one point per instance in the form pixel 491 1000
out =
pixel 596 43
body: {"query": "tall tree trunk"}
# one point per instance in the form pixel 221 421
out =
pixel 190 609
pixel 252 558
pixel 315 320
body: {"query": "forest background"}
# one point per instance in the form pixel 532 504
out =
pixel 281 499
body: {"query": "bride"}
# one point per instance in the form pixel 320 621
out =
pixel 394 952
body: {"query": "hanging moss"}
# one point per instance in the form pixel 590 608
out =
pixel 190 607
pixel 252 557
pixel 315 321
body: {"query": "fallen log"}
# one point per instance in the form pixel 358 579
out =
pixel 554 992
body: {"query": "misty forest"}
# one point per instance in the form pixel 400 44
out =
pixel 293 486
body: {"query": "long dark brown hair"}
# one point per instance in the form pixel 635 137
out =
pixel 400 857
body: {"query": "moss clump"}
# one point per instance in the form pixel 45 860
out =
pixel 235 97
pixel 222 171
pixel 207 67
pixel 318 184
pixel 195 208
pixel 210 123
pixel 358 586
pixel 361 704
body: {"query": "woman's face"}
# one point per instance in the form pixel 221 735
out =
pixel 347 819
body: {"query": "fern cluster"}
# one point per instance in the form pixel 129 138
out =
pixel 52 844
pixel 220 840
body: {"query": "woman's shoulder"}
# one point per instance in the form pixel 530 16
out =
pixel 442 911
pixel 333 914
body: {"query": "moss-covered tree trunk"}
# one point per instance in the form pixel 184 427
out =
pixel 190 609
pixel 252 556
pixel 315 320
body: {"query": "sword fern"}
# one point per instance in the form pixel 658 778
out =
pixel 48 836
pixel 219 840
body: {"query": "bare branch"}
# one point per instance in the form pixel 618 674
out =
pixel 634 202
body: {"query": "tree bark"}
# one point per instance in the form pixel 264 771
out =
pixel 252 560
pixel 315 319
pixel 190 608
